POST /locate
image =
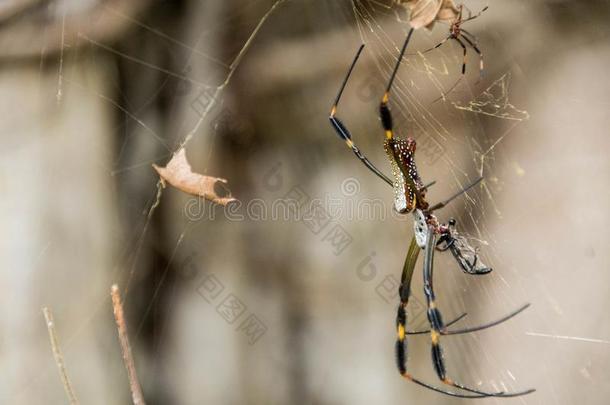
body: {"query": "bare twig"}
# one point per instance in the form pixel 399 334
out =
pixel 59 358
pixel 136 390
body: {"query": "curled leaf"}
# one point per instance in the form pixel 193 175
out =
pixel 424 13
pixel 448 13
pixel 179 174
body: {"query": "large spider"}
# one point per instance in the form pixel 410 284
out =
pixel 429 235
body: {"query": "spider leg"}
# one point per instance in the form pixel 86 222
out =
pixel 465 52
pixel 409 377
pixel 437 327
pixel 440 43
pixel 404 292
pixel 385 116
pixel 486 325
pixel 472 17
pixel 427 186
pixel 451 36
pixel 472 328
pixel 401 320
pixel 442 204
pixel 344 133
pixel 447 38
pixel 425 331
pixel 447 240
pixel 476 49
pixel 444 248
pixel 384 110
pixel 468 267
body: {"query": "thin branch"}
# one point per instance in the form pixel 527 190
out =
pixel 59 358
pixel 136 390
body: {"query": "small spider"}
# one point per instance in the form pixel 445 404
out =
pixel 425 13
pixel 429 235
pixel 456 32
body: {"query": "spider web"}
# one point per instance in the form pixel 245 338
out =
pixel 494 102
pixel 339 346
pixel 415 109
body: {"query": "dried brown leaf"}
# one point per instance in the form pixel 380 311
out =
pixel 448 13
pixel 179 174
pixel 424 13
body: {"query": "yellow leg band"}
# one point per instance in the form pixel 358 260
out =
pixel 401 333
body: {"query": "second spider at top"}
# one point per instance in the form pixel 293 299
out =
pixel 425 13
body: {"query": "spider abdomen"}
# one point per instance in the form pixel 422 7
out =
pixel 407 183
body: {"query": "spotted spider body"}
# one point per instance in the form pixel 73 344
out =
pixel 408 187
pixel 455 30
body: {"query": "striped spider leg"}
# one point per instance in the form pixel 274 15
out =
pixel 409 198
pixel 342 130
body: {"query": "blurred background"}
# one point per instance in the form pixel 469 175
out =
pixel 238 305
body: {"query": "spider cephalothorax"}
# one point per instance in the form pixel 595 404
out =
pixel 455 30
